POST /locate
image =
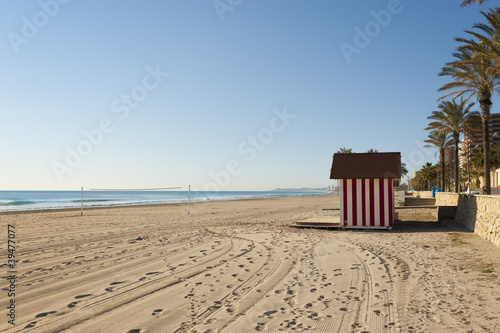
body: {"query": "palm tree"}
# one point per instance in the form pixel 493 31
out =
pixel 447 181
pixel 428 172
pixel 485 51
pixel 472 75
pixel 344 150
pixel 487 42
pixel 452 118
pixel 404 170
pixel 417 181
pixel 466 3
pixel 440 140
pixel 477 161
pixel 371 150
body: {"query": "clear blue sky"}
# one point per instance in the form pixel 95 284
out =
pixel 259 94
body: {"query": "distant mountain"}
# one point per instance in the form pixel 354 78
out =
pixel 304 189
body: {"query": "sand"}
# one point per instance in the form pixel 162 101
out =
pixel 238 267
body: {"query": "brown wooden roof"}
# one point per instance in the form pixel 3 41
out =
pixel 366 165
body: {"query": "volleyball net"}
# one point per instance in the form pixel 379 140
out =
pixel 137 190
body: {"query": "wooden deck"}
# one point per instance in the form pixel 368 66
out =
pixel 319 222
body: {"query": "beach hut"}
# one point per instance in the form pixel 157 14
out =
pixel 366 183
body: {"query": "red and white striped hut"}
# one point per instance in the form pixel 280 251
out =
pixel 366 183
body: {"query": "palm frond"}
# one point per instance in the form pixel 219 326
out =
pixel 466 3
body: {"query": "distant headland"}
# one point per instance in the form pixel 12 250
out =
pixel 304 189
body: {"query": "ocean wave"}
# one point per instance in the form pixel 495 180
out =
pixel 62 200
pixel 15 203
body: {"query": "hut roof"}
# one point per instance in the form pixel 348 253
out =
pixel 366 165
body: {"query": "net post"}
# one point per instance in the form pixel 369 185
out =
pixel 81 203
pixel 189 199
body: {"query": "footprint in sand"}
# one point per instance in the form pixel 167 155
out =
pixel 115 283
pixel 72 304
pixel 135 330
pixel 83 296
pixel 44 314
pixel 157 312
pixel 260 327
pixel 315 316
pixel 270 314
pixel 30 325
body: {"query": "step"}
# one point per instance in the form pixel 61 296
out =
pixel 420 201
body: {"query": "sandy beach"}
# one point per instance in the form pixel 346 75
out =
pixel 237 266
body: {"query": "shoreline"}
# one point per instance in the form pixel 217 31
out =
pixel 14 212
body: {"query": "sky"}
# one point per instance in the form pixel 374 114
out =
pixel 220 95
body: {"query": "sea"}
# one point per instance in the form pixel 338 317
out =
pixel 41 200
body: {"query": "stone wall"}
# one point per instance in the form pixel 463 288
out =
pixel 479 213
pixel 446 199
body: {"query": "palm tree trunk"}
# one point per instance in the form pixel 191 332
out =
pixel 485 103
pixel 456 138
pixel 442 169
